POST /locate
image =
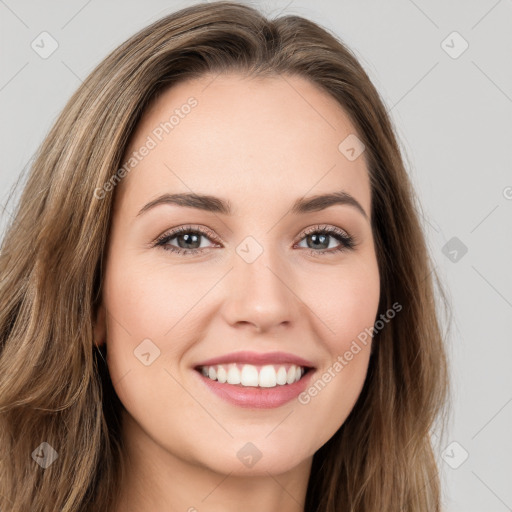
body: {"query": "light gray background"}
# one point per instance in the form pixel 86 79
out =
pixel 453 116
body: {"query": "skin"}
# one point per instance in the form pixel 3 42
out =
pixel 261 144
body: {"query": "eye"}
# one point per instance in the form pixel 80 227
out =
pixel 320 237
pixel 188 237
pixel 318 240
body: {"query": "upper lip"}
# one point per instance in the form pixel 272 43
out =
pixel 258 358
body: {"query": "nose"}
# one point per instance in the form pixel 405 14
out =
pixel 260 295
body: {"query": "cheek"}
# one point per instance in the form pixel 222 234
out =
pixel 332 394
pixel 345 299
pixel 347 304
pixel 148 302
pixel 141 358
pixel 140 310
pixel 336 386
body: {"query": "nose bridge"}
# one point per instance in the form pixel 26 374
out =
pixel 260 286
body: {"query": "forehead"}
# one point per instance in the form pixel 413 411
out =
pixel 254 138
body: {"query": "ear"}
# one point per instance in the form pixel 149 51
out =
pixel 100 327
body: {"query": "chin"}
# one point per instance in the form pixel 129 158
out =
pixel 254 459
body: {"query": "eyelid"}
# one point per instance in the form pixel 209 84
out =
pixel 203 230
pixel 213 236
pixel 324 227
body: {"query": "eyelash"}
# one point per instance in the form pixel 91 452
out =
pixel 347 242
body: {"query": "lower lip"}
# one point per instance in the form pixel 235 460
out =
pixel 255 397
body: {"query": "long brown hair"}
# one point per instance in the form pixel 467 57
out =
pixel 54 386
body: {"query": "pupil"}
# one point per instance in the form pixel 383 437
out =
pixel 323 241
pixel 187 240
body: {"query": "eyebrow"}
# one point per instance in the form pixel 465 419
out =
pixel 217 205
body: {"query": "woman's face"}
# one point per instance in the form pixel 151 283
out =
pixel 262 277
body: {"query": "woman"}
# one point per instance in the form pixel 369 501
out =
pixel 216 291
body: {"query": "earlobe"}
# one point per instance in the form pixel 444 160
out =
pixel 100 327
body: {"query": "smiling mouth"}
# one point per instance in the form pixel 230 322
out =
pixel 259 376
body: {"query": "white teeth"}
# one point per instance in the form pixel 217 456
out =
pixel 281 376
pixel 233 375
pixel 221 374
pixel 249 375
pixel 267 376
